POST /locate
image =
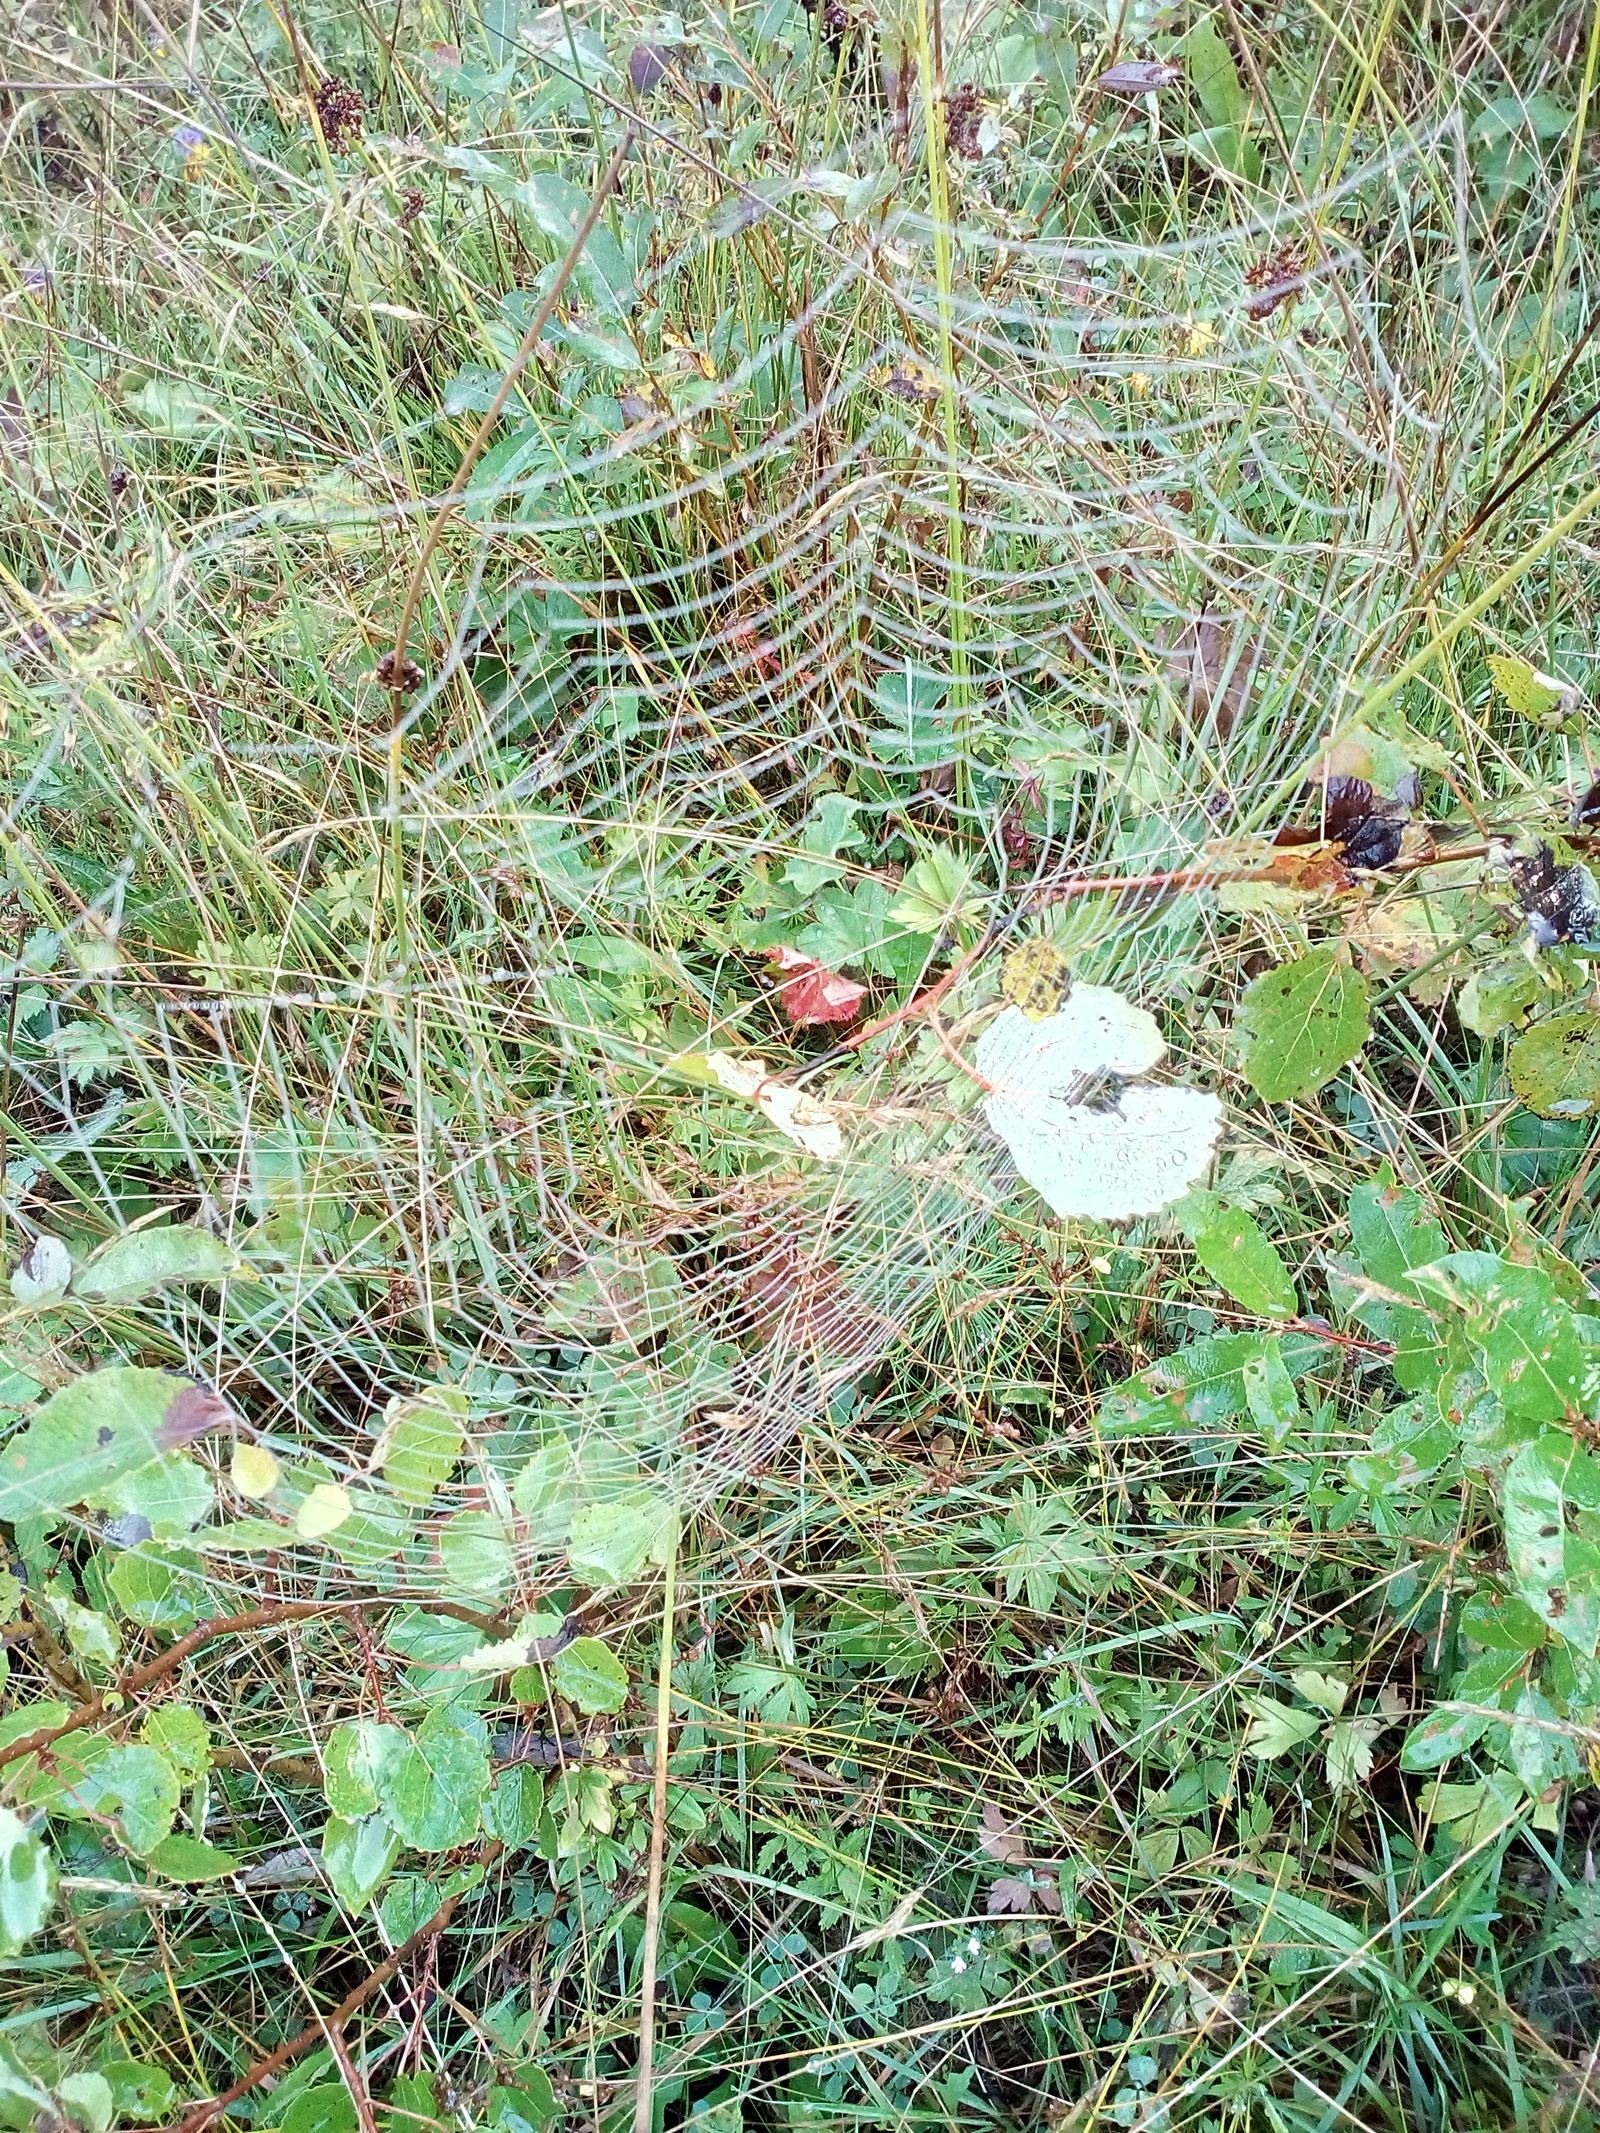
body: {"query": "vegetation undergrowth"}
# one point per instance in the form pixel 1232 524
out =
pixel 518 1283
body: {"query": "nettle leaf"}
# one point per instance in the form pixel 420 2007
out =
pixel 27 1882
pixel 1533 1353
pixel 1237 1254
pixel 86 1440
pixel 1557 1572
pixel 358 1856
pixel 433 1792
pixel 591 1676
pixel 1393 1235
pixel 1301 1023
pixel 143 1260
pixel 1555 1066
pixel 143 2093
pixel 423 1437
pixel 358 1759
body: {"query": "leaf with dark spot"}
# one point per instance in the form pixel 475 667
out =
pixel 1560 902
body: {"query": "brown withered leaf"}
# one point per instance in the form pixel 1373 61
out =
pixel 1007 1895
pixel 193 1411
pixel 1001 1839
pixel 1212 659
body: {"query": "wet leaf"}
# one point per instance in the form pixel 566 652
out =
pixel 1236 1253
pixel 1301 1023
pixel 27 1882
pixel 144 1260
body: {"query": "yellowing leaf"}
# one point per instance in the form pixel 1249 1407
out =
pixel 1326 1691
pixel 325 1509
pixel 809 1124
pixel 1035 977
pixel 1545 698
pixel 253 1470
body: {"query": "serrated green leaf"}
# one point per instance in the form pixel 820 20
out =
pixel 610 1543
pixel 422 1439
pixel 142 2093
pixel 159 1588
pixel 514 1806
pixel 1301 1023
pixel 183 1737
pixel 1275 1727
pixel 475 1550
pixel 433 1791
pixel 591 1676
pixel 134 1783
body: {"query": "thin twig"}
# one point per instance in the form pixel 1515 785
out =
pixel 643 2109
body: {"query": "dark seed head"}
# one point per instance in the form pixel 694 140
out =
pixel 647 63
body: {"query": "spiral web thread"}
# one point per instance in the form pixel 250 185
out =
pixel 741 635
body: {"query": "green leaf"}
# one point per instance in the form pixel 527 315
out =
pixel 422 1439
pixel 1205 1383
pixel 1502 1622
pixel 1533 1354
pixel 1301 1023
pixel 136 1784
pixel 1496 996
pixel 159 1588
pixel 610 1543
pixel 142 1260
pixel 475 1550
pixel 513 1808
pixel 1269 1392
pixel 1214 76
pixel 1557 1573
pixel 621 1290
pixel 183 1737
pixel 86 2098
pixel 1393 1235
pixel 358 1856
pixel 1522 686
pixel 27 1882
pixel 142 2093
pixel 939 890
pixel 408 1905
pixel 89 1438
pixel 358 1758
pixel 1555 1066
pixel 173 1495
pixel 1237 1254
pixel 546 1493
pixel 590 1676
pixel 433 1792
pixel 182 1858
pixel 327 2108
pixel 532 2103
pixel 1326 1691
pixel 1275 1727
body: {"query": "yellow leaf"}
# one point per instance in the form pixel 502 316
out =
pixel 254 1470
pixel 326 1508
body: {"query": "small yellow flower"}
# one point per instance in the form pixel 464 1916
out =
pixel 194 162
pixel 1139 383
pixel 1199 335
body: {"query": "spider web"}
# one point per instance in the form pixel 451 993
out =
pixel 959 545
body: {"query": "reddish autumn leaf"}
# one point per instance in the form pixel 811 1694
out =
pixel 1000 1838
pixel 1007 1895
pixel 810 992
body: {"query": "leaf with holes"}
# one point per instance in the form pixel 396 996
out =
pixel 1393 1236
pixel 433 1791
pixel 1557 1572
pixel 88 1439
pixel 1301 1023
pixel 27 1882
pixel 1237 1254
pixel 1555 1066
pixel 421 1441
pixel 1533 1355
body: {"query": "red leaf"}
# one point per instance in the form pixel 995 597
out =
pixel 812 992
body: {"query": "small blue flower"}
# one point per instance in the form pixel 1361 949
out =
pixel 188 138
